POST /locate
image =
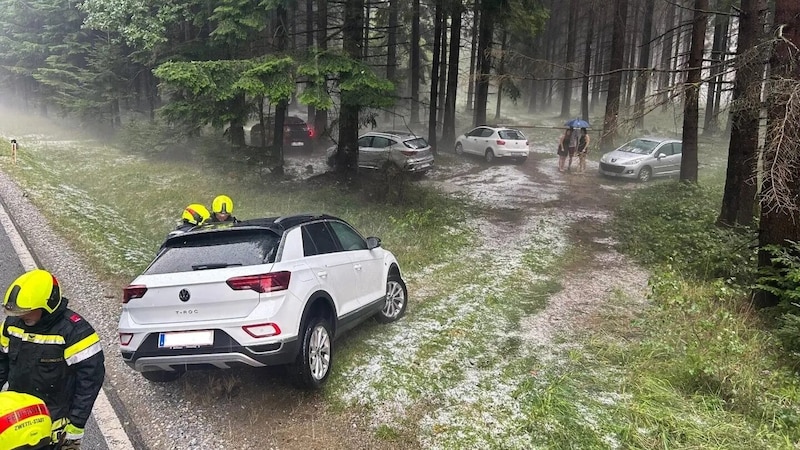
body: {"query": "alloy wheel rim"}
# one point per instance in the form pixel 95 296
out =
pixel 394 299
pixel 319 354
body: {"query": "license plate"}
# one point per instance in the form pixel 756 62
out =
pixel 297 144
pixel 183 339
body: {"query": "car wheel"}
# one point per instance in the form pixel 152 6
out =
pixel 489 156
pixel 315 359
pixel 459 149
pixel 396 300
pixel 645 173
pixel 162 376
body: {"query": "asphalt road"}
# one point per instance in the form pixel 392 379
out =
pixel 10 269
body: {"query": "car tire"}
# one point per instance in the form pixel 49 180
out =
pixel 645 174
pixel 162 376
pixel 489 155
pixel 396 300
pixel 459 149
pixel 315 359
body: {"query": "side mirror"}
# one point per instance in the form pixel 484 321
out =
pixel 373 242
pixel 661 155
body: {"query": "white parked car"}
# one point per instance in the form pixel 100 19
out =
pixel 494 142
pixel 643 159
pixel 257 293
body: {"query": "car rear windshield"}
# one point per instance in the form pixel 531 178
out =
pixel 216 250
pixel 512 135
pixel 416 143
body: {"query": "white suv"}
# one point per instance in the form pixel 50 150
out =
pixel 257 293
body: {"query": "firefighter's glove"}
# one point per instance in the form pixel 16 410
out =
pixel 72 437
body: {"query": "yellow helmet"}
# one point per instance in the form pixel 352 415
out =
pixel 222 204
pixel 24 422
pixel 195 214
pixel 32 290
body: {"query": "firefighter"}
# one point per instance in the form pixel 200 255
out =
pixel 222 209
pixel 24 422
pixel 51 352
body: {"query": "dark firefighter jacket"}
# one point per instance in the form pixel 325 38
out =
pixel 59 359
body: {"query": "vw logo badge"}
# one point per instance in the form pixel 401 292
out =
pixel 184 295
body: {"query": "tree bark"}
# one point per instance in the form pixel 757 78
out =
pixel 643 76
pixel 391 49
pixel 449 122
pixel 437 44
pixel 321 117
pixel 484 57
pixel 692 92
pixel 415 62
pixel 666 56
pixel 710 125
pixel 347 151
pixel 587 62
pixel 615 78
pixel 569 66
pixel 473 57
pixel 739 195
pixel 780 191
pixel 309 31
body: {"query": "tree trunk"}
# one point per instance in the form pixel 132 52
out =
pixel 780 191
pixel 569 67
pixel 500 71
pixel 692 89
pixel 643 76
pixel 484 57
pixel 415 62
pixel 666 56
pixel 321 118
pixel 312 112
pixel 437 44
pixel 449 123
pixel 473 57
pixel 738 199
pixel 391 50
pixel 710 125
pixel 615 77
pixel 587 62
pixel 347 151
pixel 630 60
pixel 442 72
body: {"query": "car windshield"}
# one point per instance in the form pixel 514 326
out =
pixel 216 250
pixel 639 146
pixel 416 143
pixel 512 135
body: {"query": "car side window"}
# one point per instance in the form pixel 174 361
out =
pixel 348 237
pixel 487 132
pixel 475 132
pixel 677 148
pixel 380 142
pixel 365 141
pixel 317 239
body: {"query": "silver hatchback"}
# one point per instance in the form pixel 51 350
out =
pixel 643 159
pixel 383 149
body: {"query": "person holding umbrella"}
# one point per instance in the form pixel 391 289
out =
pixel 570 142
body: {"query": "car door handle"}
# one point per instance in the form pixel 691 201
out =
pixel 357 267
pixel 322 274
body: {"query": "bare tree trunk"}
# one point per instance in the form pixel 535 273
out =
pixel 630 59
pixel 692 88
pixel 347 151
pixel 615 78
pixel 321 118
pixel 415 62
pixel 666 56
pixel 739 195
pixel 500 71
pixel 643 76
pixel 437 44
pixel 587 62
pixel 485 32
pixel 442 72
pixel 449 123
pixel 312 112
pixel 391 49
pixel 710 124
pixel 569 67
pixel 473 58
pixel 780 190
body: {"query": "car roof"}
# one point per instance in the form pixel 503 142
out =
pixel 396 134
pixel 656 139
pixel 277 225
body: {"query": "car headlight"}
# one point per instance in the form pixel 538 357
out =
pixel 632 162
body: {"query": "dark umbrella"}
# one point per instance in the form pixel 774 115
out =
pixel 578 123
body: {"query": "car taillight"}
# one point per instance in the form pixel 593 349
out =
pixel 501 142
pixel 262 330
pixel 311 132
pixel 133 291
pixel 408 152
pixel 267 282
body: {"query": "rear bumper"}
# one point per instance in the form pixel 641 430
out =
pixel 421 165
pixel 226 353
pixel 506 153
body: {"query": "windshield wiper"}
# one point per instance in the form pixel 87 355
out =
pixel 213 266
